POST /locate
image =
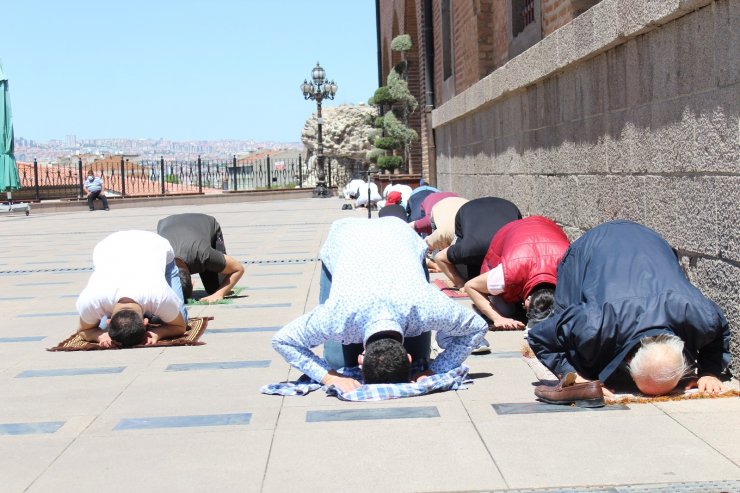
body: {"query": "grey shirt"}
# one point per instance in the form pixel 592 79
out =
pixel 193 238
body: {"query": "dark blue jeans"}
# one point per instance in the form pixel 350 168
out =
pixel 345 355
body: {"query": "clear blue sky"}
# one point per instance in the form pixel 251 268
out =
pixel 180 69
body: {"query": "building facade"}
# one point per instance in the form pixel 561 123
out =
pixel 589 111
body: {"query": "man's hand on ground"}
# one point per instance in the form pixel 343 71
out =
pixel 507 323
pixel 707 383
pixel 211 298
pixel 421 376
pixel 345 384
pixel 105 341
pixel 151 338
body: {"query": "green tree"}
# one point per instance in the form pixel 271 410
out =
pixel 395 135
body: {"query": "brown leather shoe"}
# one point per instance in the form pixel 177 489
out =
pixel 586 394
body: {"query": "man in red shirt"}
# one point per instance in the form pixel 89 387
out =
pixel 520 267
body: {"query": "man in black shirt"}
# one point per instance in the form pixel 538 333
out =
pixel 199 249
pixel 476 223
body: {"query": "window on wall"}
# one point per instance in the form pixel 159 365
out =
pixel 522 15
pixel 446 40
pixel 525 25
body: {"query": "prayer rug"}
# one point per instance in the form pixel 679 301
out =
pixel 447 288
pixel 544 375
pixel 227 300
pixel 452 380
pixel 196 328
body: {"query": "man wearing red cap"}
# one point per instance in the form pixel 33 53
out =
pixel 393 207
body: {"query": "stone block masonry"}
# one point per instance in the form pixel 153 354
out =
pixel 632 110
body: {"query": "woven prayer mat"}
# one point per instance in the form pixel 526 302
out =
pixel 196 328
pixel 446 287
pixel 544 375
pixel 227 300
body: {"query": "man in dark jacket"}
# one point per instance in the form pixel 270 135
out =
pixel 623 304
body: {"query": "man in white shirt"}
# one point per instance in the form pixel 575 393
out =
pixel 134 278
pixel 352 190
pixel 362 200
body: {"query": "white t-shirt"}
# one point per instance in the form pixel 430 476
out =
pixel 353 188
pixel 495 280
pixel 129 264
pixel 374 194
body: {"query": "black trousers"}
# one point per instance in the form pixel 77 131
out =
pixel 96 195
pixel 212 280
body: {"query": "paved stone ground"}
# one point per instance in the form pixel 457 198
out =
pixel 72 421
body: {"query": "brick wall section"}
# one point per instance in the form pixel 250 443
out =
pixel 464 45
pixel 500 34
pixel 400 17
pixel 555 14
pixel 414 78
pixel 426 140
pixel 646 129
pixel 486 39
pixel 437 26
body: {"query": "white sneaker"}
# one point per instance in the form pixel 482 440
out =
pixel 481 350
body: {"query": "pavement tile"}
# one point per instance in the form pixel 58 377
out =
pixel 591 448
pixel 180 460
pixel 400 455
pixel 713 426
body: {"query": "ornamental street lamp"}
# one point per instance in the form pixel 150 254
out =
pixel 319 90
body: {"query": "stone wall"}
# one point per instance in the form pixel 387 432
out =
pixel 629 111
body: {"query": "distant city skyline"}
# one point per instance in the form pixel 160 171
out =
pixel 222 70
pixel 55 150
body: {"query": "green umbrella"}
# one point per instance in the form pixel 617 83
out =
pixel 8 171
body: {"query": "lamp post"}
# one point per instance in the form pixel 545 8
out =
pixel 318 90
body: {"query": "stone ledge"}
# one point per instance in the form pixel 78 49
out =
pixel 134 202
pixel 604 26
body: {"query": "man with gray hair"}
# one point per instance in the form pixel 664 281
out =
pixel 624 305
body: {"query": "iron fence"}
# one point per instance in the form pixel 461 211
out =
pixel 159 177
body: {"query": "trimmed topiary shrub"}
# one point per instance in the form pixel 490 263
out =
pixel 402 42
pixel 383 96
pixel 374 154
pixel 387 142
pixel 390 162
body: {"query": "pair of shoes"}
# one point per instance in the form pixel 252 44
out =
pixel 107 209
pixel 92 210
pixel 567 391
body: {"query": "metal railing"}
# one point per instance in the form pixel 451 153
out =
pixel 159 177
